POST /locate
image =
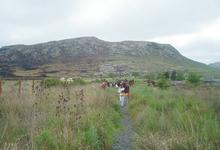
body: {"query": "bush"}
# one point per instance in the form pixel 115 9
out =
pixel 112 75
pixel 135 74
pixel 180 76
pixel 193 78
pixel 78 82
pixel 48 82
pixel 150 76
pixel 163 83
pixel 166 75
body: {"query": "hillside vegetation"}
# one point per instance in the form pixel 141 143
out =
pixel 90 56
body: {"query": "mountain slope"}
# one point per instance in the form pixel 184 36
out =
pixel 215 65
pixel 92 56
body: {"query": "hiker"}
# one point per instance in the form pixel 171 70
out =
pixel 126 93
pixel 104 85
pixel 121 94
pixel 131 82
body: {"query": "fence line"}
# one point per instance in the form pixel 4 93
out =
pixel 33 86
pixel 25 78
pixel 0 87
pixel 19 88
pixel 19 84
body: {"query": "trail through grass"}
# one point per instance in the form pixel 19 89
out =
pixel 125 138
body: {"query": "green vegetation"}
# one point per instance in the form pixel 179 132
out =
pixel 193 78
pixel 135 74
pixel 173 75
pixel 177 75
pixel 180 76
pixel 112 75
pixel 79 82
pixel 49 82
pixel 59 117
pixel 175 118
pixel 166 75
pixel 163 83
pixel 83 116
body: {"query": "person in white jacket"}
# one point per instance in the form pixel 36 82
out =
pixel 121 95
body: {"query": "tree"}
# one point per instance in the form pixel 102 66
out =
pixel 180 76
pixel 193 78
pixel 173 75
pixel 166 75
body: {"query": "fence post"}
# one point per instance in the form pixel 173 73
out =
pixel 0 87
pixel 19 87
pixel 33 86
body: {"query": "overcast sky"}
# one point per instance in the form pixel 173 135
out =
pixel 192 26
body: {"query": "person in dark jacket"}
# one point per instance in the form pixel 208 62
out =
pixel 126 93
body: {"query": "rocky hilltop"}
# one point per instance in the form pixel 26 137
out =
pixel 92 56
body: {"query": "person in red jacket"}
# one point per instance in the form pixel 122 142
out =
pixel 125 92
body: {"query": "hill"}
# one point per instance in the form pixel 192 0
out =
pixel 88 56
pixel 215 65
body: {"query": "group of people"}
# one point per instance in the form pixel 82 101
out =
pixel 123 90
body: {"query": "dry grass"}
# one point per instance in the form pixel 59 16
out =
pixel 62 117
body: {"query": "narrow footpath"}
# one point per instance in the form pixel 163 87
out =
pixel 125 138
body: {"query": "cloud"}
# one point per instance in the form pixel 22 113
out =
pixel 202 45
pixel 95 12
pixel 204 50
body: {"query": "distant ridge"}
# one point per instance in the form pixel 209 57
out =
pixel 90 56
pixel 215 65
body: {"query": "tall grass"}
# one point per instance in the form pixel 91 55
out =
pixel 176 118
pixel 50 82
pixel 59 117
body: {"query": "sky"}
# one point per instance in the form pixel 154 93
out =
pixel 191 26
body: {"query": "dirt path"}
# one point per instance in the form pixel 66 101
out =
pixel 124 139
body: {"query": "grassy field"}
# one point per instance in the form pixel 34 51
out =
pixel 176 118
pixel 59 117
pixel 83 116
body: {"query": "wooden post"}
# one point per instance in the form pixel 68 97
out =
pixel 19 88
pixel 0 87
pixel 33 86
